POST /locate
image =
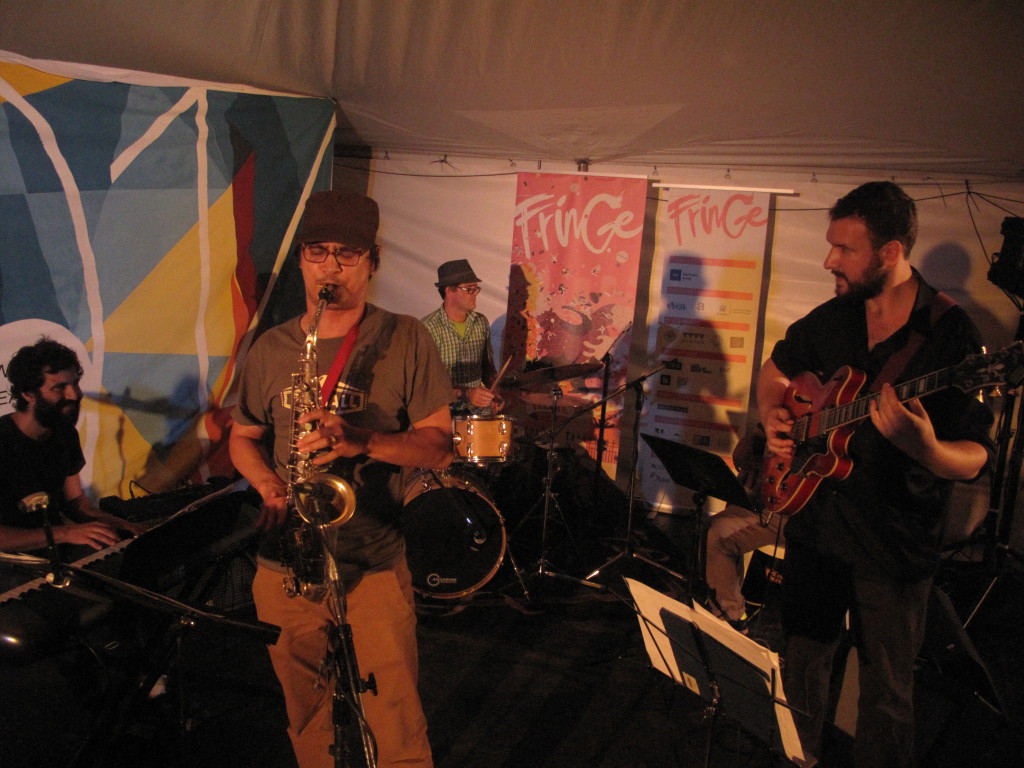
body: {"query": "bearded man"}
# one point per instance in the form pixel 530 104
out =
pixel 867 544
pixel 40 452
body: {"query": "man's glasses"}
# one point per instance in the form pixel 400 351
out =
pixel 345 256
pixel 472 290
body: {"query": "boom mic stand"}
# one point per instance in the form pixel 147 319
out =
pixel 111 720
pixel 601 423
pixel 628 549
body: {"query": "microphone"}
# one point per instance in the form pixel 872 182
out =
pixel 314 491
pixel 36 503
pixel 313 502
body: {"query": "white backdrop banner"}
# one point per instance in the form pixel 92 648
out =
pixel 704 316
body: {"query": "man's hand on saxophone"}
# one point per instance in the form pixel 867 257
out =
pixel 332 438
pixel 427 444
pixel 274 510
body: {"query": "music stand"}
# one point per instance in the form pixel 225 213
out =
pixel 734 675
pixel 706 474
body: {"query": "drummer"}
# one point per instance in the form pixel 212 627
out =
pixel 463 336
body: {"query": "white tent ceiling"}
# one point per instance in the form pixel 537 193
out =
pixel 924 86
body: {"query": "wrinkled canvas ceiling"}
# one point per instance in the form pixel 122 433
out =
pixel 929 86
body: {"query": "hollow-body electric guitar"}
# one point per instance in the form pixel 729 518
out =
pixel 825 416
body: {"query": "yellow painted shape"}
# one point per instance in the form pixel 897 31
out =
pixel 26 80
pixel 121 452
pixel 159 316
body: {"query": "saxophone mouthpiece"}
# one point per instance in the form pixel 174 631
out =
pixel 327 292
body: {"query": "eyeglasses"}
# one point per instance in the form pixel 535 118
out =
pixel 345 256
pixel 472 290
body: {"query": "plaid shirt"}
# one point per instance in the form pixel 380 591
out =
pixel 469 358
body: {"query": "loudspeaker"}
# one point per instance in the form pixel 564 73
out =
pixel 1007 270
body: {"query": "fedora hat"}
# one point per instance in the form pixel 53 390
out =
pixel 455 273
pixel 335 216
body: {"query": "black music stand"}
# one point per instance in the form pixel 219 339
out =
pixel 732 674
pixel 706 474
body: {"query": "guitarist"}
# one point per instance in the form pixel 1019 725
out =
pixel 869 544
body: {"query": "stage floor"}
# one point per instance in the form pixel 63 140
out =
pixel 560 679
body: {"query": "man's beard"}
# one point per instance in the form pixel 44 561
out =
pixel 54 415
pixel 870 285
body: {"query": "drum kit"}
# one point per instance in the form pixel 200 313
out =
pixel 456 537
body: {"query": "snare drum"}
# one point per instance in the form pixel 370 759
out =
pixel 482 439
pixel 455 537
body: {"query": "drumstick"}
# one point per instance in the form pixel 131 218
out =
pixel 501 373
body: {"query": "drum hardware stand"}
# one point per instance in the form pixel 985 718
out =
pixel 543 566
pixel 628 549
pixel 518 573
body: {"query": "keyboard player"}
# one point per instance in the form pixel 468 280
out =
pixel 40 452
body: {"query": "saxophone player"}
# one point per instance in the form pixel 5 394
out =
pixel 385 406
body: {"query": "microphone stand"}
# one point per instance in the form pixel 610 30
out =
pixel 39 503
pixel 606 360
pixel 348 720
pixel 601 424
pixel 628 549
pixel 122 702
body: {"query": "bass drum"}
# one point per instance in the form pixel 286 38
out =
pixel 455 537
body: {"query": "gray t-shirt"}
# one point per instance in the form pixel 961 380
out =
pixel 394 377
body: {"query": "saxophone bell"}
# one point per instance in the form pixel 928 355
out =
pixel 324 500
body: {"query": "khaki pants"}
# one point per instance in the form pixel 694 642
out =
pixel 381 612
pixel 732 533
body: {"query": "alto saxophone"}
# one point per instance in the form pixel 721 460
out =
pixel 318 502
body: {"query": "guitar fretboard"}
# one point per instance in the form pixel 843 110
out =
pixel 825 420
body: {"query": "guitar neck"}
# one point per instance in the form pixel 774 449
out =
pixel 834 417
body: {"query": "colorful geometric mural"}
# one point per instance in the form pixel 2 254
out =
pixel 150 222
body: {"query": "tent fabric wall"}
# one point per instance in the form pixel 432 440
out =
pixel 145 224
pixel 880 85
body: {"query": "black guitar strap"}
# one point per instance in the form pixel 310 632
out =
pixel 898 360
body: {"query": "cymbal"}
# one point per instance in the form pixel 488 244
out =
pixel 543 376
pixel 543 399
